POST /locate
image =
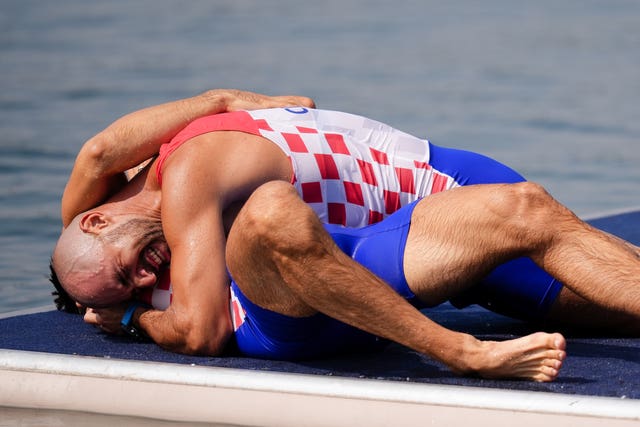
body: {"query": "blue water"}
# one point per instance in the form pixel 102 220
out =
pixel 549 87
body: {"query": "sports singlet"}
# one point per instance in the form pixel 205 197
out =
pixel 355 171
pixel 351 170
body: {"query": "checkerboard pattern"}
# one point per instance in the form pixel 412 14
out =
pixel 351 170
pixel 353 180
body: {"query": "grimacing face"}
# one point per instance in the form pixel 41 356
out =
pixel 107 265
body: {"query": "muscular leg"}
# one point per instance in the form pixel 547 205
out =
pixel 468 231
pixel 577 314
pixel 283 260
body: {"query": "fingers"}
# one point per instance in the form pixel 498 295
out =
pixel 81 308
pixel 106 319
pixel 294 101
pixel 242 100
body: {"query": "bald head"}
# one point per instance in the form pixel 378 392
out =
pixel 80 262
pixel 101 259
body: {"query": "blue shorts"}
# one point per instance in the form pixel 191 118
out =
pixel 518 288
pixel 270 335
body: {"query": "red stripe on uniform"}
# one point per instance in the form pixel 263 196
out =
pixel 263 125
pixel 237 318
pixel 337 213
pixel 405 177
pixel 327 166
pixel 379 156
pixel 237 120
pixel 421 165
pixel 295 142
pixel 336 143
pixel 353 192
pixel 303 129
pixel 366 170
pixel 439 183
pixel 311 192
pixel 391 201
pixel 375 217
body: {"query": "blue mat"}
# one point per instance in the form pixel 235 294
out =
pixel 597 366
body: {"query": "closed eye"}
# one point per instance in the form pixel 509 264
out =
pixel 122 277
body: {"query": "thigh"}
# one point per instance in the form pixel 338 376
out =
pixel 457 238
pixel 273 213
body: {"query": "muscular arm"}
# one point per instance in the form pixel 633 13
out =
pixel 196 193
pixel 197 321
pixel 97 172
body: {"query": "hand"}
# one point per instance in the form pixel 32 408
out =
pixel 242 100
pixel 108 319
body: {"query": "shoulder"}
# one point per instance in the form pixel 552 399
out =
pixel 227 164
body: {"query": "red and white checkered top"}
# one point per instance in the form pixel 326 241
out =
pixel 351 170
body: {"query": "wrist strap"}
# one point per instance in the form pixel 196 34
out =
pixel 127 318
pixel 127 321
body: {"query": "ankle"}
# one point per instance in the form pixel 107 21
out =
pixel 469 356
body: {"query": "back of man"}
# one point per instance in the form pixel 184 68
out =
pixel 351 170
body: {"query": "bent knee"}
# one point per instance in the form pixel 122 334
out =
pixel 273 213
pixel 269 206
pixel 530 197
pixel 527 207
pixel 273 191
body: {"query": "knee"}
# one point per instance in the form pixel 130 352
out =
pixel 273 216
pixel 528 198
pixel 528 207
pixel 269 201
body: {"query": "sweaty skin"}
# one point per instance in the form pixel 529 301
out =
pixel 334 284
pixel 281 240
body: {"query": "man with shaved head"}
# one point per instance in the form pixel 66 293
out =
pixel 305 233
pixel 86 257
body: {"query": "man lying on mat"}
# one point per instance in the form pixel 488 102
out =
pixel 326 232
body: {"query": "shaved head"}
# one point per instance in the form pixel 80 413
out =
pixel 79 260
pixel 100 260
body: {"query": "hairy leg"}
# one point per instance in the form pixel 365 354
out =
pixel 467 232
pixel 283 260
pixel 574 314
pixel 457 237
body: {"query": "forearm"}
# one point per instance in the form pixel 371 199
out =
pixel 171 332
pixel 201 332
pixel 130 140
pixel 343 289
pixel 138 136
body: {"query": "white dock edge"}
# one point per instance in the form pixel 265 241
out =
pixel 256 398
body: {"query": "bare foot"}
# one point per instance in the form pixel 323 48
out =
pixel 536 357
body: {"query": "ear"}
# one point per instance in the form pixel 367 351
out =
pixel 94 222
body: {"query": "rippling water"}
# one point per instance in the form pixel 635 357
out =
pixel 549 87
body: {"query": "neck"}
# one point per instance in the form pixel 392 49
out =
pixel 141 195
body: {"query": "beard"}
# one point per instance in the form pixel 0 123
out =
pixel 142 231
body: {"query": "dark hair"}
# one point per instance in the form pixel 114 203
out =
pixel 60 297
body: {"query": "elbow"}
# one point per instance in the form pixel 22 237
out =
pixel 93 157
pixel 206 341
